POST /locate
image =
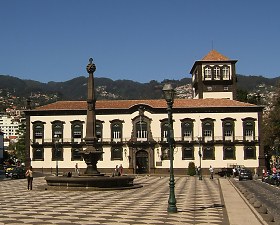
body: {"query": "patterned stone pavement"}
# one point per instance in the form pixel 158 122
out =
pixel 198 202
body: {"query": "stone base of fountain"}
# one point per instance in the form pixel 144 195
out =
pixel 86 182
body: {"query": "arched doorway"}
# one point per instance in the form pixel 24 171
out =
pixel 142 162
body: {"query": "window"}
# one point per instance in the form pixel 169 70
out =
pixel 226 88
pixel 249 152
pixel 249 129
pixel 225 73
pixel 77 130
pixel 38 132
pixel 217 73
pixel 228 129
pixel 249 133
pixel 208 153
pixel 76 155
pixel 208 129
pixel 116 131
pixel 116 153
pixel 57 130
pixel 57 153
pixel 187 129
pixel 38 154
pixel 141 131
pixel 164 130
pixel 188 153
pixel 228 133
pixel 229 152
pixel 99 130
pixel 207 73
pixel 208 133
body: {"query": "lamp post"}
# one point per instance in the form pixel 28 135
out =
pixel 169 93
pixel 56 155
pixel 200 155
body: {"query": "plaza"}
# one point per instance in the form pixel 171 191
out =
pixel 199 202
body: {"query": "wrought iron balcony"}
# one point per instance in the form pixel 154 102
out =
pixel 161 140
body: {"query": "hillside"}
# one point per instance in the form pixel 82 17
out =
pixel 15 91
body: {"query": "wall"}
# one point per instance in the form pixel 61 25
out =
pixel 155 129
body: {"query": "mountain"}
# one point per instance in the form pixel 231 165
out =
pixel 76 89
pixel 251 82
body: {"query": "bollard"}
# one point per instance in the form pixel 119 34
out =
pixel 252 200
pixel 257 204
pixel 268 217
pixel 263 210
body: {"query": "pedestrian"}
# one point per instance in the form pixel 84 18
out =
pixel 263 172
pixel 29 175
pixel 274 170
pixel 121 169
pixel 117 170
pixel 77 169
pixel 234 172
pixel 211 169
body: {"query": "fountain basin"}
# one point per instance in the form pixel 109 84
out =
pixel 91 182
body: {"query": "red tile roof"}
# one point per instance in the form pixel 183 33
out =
pixel 212 56
pixel 215 56
pixel 160 103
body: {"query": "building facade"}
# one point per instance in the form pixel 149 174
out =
pixel 9 125
pixel 134 132
pixel 1 146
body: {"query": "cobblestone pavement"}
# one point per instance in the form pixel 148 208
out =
pixel 198 202
pixel 268 195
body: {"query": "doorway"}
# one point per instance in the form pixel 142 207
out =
pixel 142 162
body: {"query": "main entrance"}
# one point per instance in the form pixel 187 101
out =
pixel 142 162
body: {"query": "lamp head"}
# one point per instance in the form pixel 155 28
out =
pixel 168 92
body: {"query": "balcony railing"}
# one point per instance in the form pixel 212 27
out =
pixel 215 139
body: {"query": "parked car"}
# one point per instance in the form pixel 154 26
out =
pixel 225 172
pixel 245 174
pixel 18 172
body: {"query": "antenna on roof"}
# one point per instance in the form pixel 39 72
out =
pixel 212 45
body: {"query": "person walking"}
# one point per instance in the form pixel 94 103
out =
pixel 121 169
pixel 211 172
pixel 117 172
pixel 77 169
pixel 234 172
pixel 29 175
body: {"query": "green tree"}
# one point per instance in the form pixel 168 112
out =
pixel 271 121
pixel 20 145
pixel 191 169
pixel 242 95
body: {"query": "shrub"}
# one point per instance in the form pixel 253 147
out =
pixel 191 169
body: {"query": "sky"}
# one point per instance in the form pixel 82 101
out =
pixel 139 40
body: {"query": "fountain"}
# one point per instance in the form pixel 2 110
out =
pixel 92 178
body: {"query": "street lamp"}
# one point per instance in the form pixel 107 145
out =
pixel 169 93
pixel 56 153
pixel 200 155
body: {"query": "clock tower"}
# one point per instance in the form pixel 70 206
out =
pixel 214 76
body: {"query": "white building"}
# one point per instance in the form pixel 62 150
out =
pixel 1 146
pixel 133 132
pixel 9 125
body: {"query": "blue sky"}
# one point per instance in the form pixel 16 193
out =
pixel 138 40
